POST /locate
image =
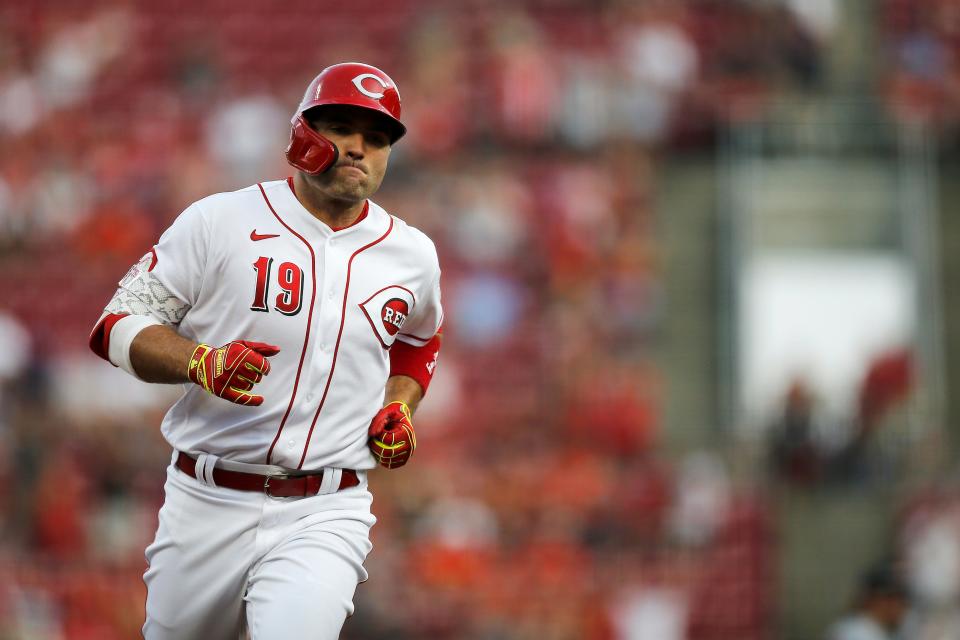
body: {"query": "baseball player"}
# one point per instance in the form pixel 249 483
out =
pixel 303 321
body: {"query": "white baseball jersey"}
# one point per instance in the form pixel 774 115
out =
pixel 254 264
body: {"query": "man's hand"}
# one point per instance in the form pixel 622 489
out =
pixel 392 440
pixel 230 371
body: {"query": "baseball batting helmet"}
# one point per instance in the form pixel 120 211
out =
pixel 349 83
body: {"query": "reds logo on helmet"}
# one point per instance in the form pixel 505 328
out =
pixel 387 310
pixel 358 83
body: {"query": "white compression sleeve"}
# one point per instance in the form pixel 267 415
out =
pixel 121 337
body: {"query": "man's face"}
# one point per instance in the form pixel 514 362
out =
pixel 363 140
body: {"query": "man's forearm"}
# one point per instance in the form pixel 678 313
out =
pixel 160 354
pixel 405 389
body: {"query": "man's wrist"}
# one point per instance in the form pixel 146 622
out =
pixel 196 372
pixel 160 354
pixel 401 388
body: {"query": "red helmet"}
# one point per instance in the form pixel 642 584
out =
pixel 349 83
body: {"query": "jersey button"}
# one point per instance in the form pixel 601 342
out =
pixel 291 443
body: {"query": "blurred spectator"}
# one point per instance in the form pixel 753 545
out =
pixel 77 52
pixel 263 122
pixel 888 381
pixel 703 499
pixel 524 84
pixel 819 17
pixel 658 61
pixel 795 451
pixel 933 556
pixel 930 546
pixel 879 610
pixel 886 387
pixel 650 614
pixel 440 119
pixel 15 344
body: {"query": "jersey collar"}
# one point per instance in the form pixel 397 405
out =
pixel 363 214
pixel 373 220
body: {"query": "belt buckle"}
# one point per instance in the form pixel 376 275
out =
pixel 274 476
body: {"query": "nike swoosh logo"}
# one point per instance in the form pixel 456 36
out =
pixel 262 236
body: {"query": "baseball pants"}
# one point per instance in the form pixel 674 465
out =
pixel 223 560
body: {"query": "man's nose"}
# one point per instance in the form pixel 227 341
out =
pixel 353 145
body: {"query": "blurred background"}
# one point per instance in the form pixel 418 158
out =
pixel 698 256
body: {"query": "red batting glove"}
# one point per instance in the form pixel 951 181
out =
pixel 392 440
pixel 230 371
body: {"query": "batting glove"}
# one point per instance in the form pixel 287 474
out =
pixel 392 440
pixel 230 371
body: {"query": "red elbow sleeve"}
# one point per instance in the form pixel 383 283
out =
pixel 100 336
pixel 418 363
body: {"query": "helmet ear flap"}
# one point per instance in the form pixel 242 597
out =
pixel 308 150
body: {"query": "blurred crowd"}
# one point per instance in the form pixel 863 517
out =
pixel 538 505
pixel 921 44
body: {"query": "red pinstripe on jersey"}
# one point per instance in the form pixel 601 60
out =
pixel 306 338
pixel 336 348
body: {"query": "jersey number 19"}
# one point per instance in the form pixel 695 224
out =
pixel 290 281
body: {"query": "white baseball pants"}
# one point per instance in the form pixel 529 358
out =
pixel 225 559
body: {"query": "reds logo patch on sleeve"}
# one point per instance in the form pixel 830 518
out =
pixel 387 310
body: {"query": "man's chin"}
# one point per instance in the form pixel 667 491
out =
pixel 347 191
pixel 349 195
